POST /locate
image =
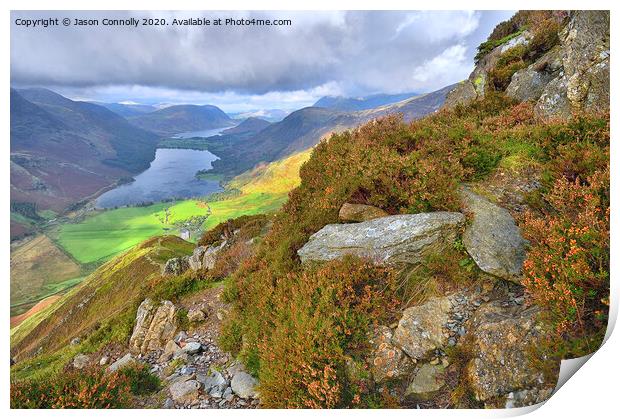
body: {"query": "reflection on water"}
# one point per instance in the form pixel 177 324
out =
pixel 171 175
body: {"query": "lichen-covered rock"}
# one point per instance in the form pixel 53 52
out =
pixel 195 260
pixel 397 239
pixel 156 324
pixel 175 266
pixel 210 255
pixel 185 391
pixel 463 94
pixel 502 339
pixel 359 212
pixel 492 239
pixel 420 330
pixel 479 75
pixel 387 361
pixel 583 82
pixel 530 83
pixel 427 381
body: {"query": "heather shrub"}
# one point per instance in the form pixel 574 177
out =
pixel 76 389
pixel 295 326
pixel 567 269
pixel 315 317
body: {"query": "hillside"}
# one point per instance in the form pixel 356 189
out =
pixel 182 118
pixel 109 294
pixel 248 126
pixel 64 151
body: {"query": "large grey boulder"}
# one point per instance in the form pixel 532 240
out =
pixel 397 239
pixel 156 324
pixel 195 260
pixel 421 329
pixel 492 239
pixel 502 371
pixel 530 83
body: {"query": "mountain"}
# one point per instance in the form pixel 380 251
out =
pixel 127 110
pixel 250 125
pixel 182 118
pixel 63 151
pixel 342 103
pixel 298 131
pixel 413 108
pixel 304 128
pixel 110 291
pixel 271 115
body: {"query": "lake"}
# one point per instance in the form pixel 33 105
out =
pixel 171 175
pixel 204 133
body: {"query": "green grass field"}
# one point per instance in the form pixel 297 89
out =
pixel 108 233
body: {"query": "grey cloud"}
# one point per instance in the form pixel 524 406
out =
pixel 361 52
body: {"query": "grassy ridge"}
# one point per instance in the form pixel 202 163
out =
pixel 108 233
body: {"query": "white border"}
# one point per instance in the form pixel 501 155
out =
pixel 591 393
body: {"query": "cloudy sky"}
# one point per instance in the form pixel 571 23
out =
pixel 241 68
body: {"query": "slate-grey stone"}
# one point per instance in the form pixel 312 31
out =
pixel 396 239
pixel 493 240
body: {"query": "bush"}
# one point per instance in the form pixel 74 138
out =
pixel 84 389
pixel 567 269
pixel 303 327
pixel 508 63
pixel 286 323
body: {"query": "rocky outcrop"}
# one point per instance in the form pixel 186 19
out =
pixel 204 257
pixel 156 324
pixel 529 84
pixel 356 213
pixel 582 84
pixel 463 93
pixel 397 239
pixel 492 239
pixel 387 361
pixel 501 371
pixel 175 266
pixel 421 329
pixel 572 77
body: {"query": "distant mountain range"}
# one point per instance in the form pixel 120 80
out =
pixel 250 125
pixel 342 103
pixel 271 115
pixel 182 118
pixel 63 151
pixel 127 109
